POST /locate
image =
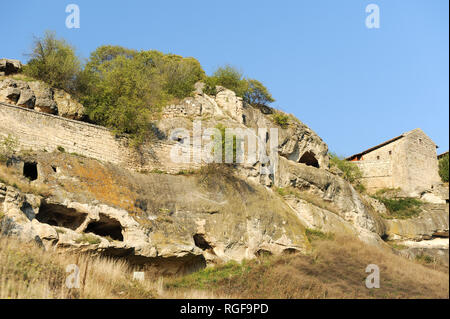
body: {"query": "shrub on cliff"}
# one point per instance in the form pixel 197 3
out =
pixel 125 89
pixel 252 91
pixel 53 61
pixel 257 94
pixel 351 171
pixel 443 168
pixel 230 78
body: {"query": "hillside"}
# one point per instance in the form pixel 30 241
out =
pixel 333 269
pixel 245 229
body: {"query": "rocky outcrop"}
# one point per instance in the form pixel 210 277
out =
pixel 9 66
pixel 435 250
pixel 432 222
pixel 330 188
pixel 296 141
pixel 179 223
pixel 67 106
pixel 40 97
pixel 173 223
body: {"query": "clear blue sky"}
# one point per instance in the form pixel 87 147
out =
pixel 355 87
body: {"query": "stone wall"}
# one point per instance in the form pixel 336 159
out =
pixel 45 132
pixel 409 163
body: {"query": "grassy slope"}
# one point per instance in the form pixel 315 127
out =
pixel 26 271
pixel 335 269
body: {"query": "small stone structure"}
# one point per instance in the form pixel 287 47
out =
pixel 408 162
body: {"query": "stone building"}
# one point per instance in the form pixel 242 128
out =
pixel 408 162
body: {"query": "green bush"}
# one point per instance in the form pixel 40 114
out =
pixel 443 168
pixel 401 208
pixel 180 75
pixel 88 239
pixel 53 61
pixel 257 94
pixel 125 89
pixel 230 78
pixel 281 119
pixel 351 171
pixel 252 91
pixel 313 234
pixel 224 144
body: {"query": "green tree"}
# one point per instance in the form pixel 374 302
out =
pixel 125 89
pixel 443 168
pixel 180 75
pixel 53 61
pixel 257 94
pixel 230 78
pixel 252 91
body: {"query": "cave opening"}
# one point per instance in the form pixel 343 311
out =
pixel 201 242
pixel 60 215
pixel 106 227
pixel 30 170
pixel 309 159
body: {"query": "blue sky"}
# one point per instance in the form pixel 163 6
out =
pixel 354 86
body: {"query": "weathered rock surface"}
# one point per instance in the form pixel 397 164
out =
pixel 9 66
pixel 436 248
pixel 330 188
pixel 432 221
pixel 181 223
pixel 178 223
pixel 40 97
pixel 296 142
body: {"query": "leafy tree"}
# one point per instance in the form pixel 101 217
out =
pixel 53 61
pixel 230 78
pixel 443 168
pixel 125 89
pixel 180 75
pixel 251 90
pixel 257 94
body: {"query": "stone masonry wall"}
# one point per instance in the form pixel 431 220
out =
pixel 44 132
pixel 409 163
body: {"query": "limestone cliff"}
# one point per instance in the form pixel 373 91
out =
pixel 73 185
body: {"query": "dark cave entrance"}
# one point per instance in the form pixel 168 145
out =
pixel 309 158
pixel 59 215
pixel 201 242
pixel 106 227
pixel 30 170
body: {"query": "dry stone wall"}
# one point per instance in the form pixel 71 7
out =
pixel 45 132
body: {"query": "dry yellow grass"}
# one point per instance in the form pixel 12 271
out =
pixel 27 271
pixel 335 269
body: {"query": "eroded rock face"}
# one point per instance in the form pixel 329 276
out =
pixel 9 66
pixel 179 223
pixel 44 98
pixel 330 188
pixel 67 106
pixel 432 222
pixel 296 142
pixel 40 97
